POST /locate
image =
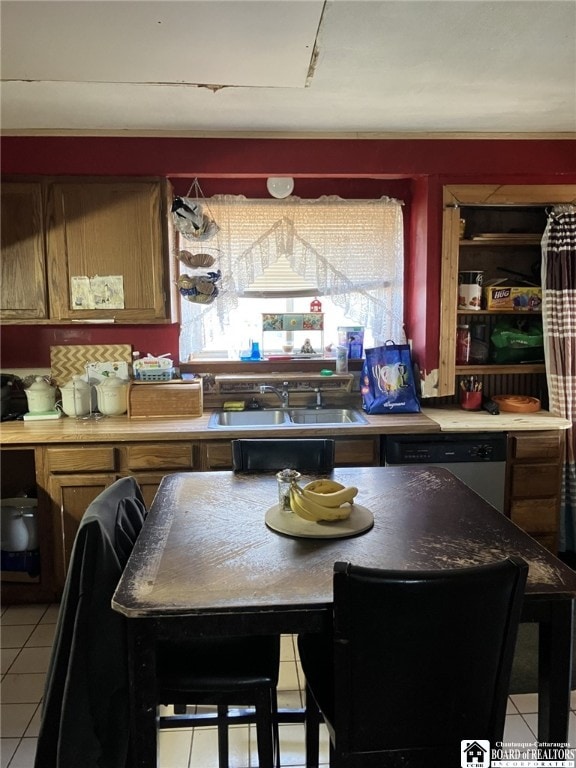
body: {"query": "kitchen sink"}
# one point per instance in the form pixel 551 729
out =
pixel 293 417
pixel 245 419
pixel 327 416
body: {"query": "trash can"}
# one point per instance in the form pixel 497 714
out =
pixel 19 551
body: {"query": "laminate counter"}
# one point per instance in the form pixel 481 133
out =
pixel 122 429
pixel 117 429
pixel 455 419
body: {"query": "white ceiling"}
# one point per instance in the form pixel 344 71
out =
pixel 288 66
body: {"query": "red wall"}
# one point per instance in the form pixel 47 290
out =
pixel 317 158
pixel 28 346
pixel 412 170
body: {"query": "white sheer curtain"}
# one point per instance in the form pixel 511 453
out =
pixel 350 250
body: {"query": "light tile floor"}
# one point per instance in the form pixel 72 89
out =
pixel 26 637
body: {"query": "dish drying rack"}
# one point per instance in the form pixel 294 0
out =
pixel 152 368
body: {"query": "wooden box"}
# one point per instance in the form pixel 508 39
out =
pixel 176 398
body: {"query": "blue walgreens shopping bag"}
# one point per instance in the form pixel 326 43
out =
pixel 387 384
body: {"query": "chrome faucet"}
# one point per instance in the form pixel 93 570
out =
pixel 283 393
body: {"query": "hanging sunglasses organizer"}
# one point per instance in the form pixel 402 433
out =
pixel 194 221
pixel 192 216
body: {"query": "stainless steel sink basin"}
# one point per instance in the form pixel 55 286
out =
pixel 290 418
pixel 327 416
pixel 246 419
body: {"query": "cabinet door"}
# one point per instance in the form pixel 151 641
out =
pixel 535 477
pixel 70 495
pixel 23 286
pixel 216 454
pixel 107 228
pixel 359 451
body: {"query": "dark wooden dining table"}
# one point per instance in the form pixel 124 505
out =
pixel 206 563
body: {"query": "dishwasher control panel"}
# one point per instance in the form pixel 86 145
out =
pixel 444 448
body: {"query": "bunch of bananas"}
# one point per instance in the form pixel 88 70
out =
pixel 322 500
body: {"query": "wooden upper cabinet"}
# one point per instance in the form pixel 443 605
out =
pixel 109 228
pixel 23 287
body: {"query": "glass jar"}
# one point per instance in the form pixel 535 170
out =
pixel 463 339
pixel 286 478
pixel 479 346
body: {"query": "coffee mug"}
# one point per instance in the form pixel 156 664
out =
pixel 470 290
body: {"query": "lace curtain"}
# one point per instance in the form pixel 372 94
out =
pixel 352 251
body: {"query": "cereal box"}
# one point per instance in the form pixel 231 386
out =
pixel 521 298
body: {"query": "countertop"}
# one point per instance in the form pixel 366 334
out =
pixel 119 429
pixel 124 429
pixel 455 419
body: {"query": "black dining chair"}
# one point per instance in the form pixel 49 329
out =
pixel 312 454
pixel 416 662
pixel 85 716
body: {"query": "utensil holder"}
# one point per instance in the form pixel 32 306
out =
pixel 471 401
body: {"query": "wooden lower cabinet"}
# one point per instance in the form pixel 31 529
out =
pixel 69 477
pixel 70 495
pixel 75 475
pixel 534 475
pixel 357 452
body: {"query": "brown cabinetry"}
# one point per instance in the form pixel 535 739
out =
pixel 534 469
pixel 23 288
pixel 68 477
pixel 75 475
pixel 56 229
pixel 70 494
pixel 107 228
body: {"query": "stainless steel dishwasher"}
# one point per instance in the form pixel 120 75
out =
pixel 478 459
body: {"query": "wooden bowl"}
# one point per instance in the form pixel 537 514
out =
pixel 517 403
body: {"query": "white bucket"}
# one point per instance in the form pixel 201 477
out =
pixel 18 527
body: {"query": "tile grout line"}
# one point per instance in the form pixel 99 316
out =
pixel 39 704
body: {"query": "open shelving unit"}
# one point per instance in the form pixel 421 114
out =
pixel 502 237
